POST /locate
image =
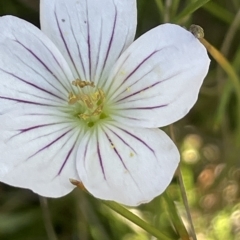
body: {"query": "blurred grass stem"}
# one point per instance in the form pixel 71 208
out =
pixel 219 12
pixel 175 217
pixel 233 77
pixel 47 219
pixel 135 219
pixel 191 8
pixel 168 4
pixel 230 34
pixel 127 214
pixel 227 42
pixel 183 191
pixel 223 62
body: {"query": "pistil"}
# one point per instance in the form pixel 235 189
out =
pixel 91 103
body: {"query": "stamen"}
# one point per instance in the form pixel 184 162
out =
pixel 82 84
pixel 91 104
pixel 72 98
pixel 86 100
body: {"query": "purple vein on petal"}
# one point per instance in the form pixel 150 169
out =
pixel 68 154
pixel 64 41
pixel 139 91
pixel 121 139
pixel 125 43
pixel 96 81
pixel 115 150
pixel 48 134
pixel 137 138
pixel 53 56
pixel 89 44
pixel 65 117
pixel 124 90
pixel 132 118
pixel 100 159
pixel 31 84
pixel 119 156
pixel 111 38
pixel 85 152
pixel 143 89
pixel 39 60
pixel 24 130
pixel 138 66
pixel 25 101
pixel 39 74
pixel 114 78
pixel 79 54
pixel 131 73
pixel 39 97
pixel 144 108
pixel 45 114
pixel 126 35
pixel 50 144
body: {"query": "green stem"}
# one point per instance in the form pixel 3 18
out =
pixel 233 77
pixel 135 219
pixel 47 219
pixel 185 202
pixel 175 218
pixel 183 190
pixel 127 214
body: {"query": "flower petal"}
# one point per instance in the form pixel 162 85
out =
pixel 91 34
pixel 32 70
pixel 157 79
pixel 127 165
pixel 38 150
pixel 38 142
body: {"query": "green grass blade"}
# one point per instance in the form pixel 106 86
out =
pixel 191 8
pixel 135 219
pixel 219 12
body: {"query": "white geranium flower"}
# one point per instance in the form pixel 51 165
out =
pixel 79 99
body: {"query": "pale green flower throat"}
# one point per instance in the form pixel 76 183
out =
pixel 88 104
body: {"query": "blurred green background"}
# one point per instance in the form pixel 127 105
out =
pixel 208 138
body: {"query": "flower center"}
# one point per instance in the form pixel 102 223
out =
pixel 88 101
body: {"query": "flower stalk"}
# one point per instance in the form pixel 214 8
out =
pixel 47 219
pixel 127 214
pixel 136 220
pixel 183 191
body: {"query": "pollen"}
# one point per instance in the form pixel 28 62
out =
pixel 89 101
pixel 82 84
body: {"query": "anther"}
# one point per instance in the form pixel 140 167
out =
pixel 72 98
pixel 82 84
pixel 91 103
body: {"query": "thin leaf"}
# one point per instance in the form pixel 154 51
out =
pixel 135 219
pixel 191 8
pixel 219 12
pixel 175 218
pixel 233 77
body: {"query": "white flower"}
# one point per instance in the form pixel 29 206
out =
pixel 81 100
